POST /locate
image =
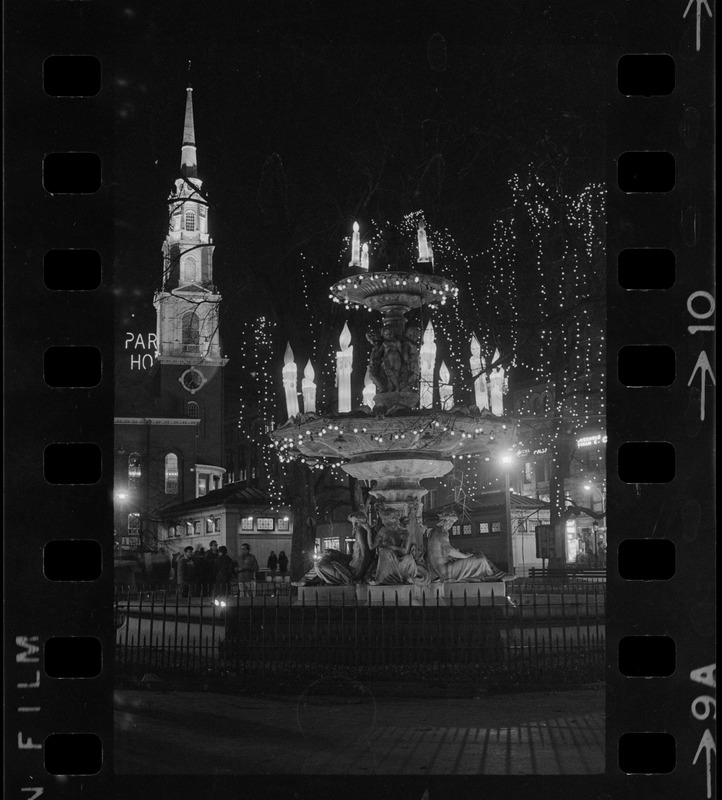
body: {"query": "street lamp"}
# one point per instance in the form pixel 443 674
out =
pixel 507 461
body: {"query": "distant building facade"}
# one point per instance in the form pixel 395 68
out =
pixel 169 437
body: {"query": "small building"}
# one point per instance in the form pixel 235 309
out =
pixel 482 527
pixel 230 516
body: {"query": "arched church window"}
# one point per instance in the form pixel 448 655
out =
pixel 192 410
pixel 171 473
pixel 189 268
pixel 190 221
pixel 190 332
pixel 135 470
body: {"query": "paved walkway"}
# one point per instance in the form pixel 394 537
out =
pixel 194 733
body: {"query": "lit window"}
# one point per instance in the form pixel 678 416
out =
pixel 134 470
pixel 171 473
pixel 190 221
pixel 190 332
pixel 192 410
pixel 496 527
pixel 202 484
pixel 197 527
pixel 133 524
pixel 216 525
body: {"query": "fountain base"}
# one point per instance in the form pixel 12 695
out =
pixel 442 594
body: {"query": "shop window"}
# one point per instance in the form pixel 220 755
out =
pixel 542 473
pixel 171 473
pixel 202 484
pixel 134 470
pixel 496 527
pixel 217 525
pixel 332 544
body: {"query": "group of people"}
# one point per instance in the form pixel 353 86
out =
pixel 213 571
pixel 277 564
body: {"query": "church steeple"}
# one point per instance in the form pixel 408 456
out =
pixel 189 163
pixel 188 302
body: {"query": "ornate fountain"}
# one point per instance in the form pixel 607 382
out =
pixel 402 433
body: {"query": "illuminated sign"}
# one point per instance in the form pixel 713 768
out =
pixel 591 441
pixel 135 342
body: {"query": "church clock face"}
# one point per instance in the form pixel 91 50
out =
pixel 192 380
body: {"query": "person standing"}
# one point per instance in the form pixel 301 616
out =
pixel 199 559
pixel 225 572
pixel 247 568
pixel 185 571
pixel 283 564
pixel 272 564
pixel 212 566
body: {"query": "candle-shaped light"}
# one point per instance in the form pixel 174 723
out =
pixel 344 366
pixel 355 247
pixel 290 382
pixel 308 385
pixel 369 391
pixel 496 381
pixel 476 363
pixel 365 256
pixel 423 244
pixel 446 390
pixel 427 361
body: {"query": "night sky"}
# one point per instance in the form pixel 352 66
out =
pixel 375 110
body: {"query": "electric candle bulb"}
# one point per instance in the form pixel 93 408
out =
pixel 355 247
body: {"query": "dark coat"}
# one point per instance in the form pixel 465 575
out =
pixel 224 573
pixel 272 562
pixel 283 563
pixel 186 570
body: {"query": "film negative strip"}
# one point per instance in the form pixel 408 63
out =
pixel 554 163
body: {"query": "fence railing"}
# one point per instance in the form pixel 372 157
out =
pixel 535 635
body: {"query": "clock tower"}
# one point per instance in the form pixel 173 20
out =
pixel 189 359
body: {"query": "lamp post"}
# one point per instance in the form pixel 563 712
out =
pixel 507 461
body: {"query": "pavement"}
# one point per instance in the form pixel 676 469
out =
pixel 192 733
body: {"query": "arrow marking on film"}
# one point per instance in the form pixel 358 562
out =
pixel 703 366
pixel 707 744
pixel 700 3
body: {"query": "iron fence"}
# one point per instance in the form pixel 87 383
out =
pixel 537 634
